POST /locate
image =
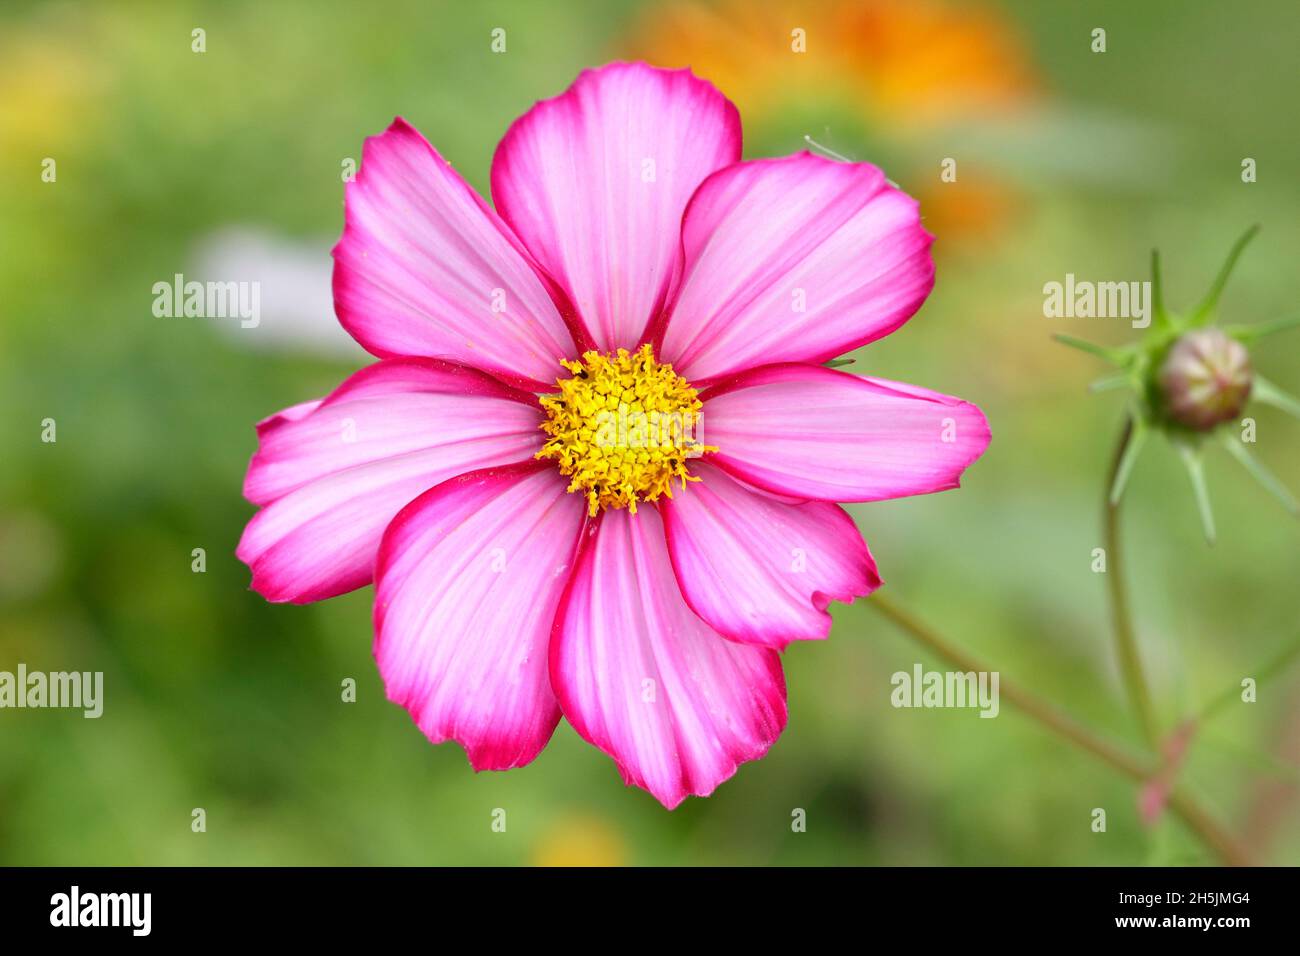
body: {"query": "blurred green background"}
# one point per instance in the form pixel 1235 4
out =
pixel 1068 161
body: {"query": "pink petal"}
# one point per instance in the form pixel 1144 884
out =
pixel 758 570
pixel 676 705
pixel 332 474
pixel 426 268
pixel 468 580
pixel 291 414
pixel 595 180
pixel 793 259
pixel 808 431
pixel 387 409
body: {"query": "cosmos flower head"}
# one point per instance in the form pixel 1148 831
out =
pixel 594 474
pixel 1191 379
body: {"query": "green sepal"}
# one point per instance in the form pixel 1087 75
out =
pixel 1259 472
pixel 1191 456
pixel 1137 438
pixel 1204 312
pixel 1109 383
pixel 1116 356
pixel 1265 391
pixel 1158 314
pixel 1246 334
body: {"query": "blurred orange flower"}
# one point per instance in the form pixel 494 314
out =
pixel 905 67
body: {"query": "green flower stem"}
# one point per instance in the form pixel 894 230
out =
pixel 1130 662
pixel 1139 769
pixel 1045 713
pixel 1207 828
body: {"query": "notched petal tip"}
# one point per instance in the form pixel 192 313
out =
pixel 848 262
pixel 465 653
pixel 594 181
pixel 678 707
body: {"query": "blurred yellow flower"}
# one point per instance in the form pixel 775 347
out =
pixel 580 841
pixel 48 94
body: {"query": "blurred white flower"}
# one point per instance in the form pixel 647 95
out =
pixel 297 300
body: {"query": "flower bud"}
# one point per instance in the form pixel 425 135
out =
pixel 1205 379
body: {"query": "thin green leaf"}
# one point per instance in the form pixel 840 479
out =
pixel 836 363
pixel 1262 761
pixel 1274 666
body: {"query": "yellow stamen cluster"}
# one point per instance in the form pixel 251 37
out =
pixel 622 428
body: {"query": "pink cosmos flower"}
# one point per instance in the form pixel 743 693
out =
pixel 692 299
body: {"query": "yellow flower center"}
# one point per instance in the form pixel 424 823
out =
pixel 622 428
